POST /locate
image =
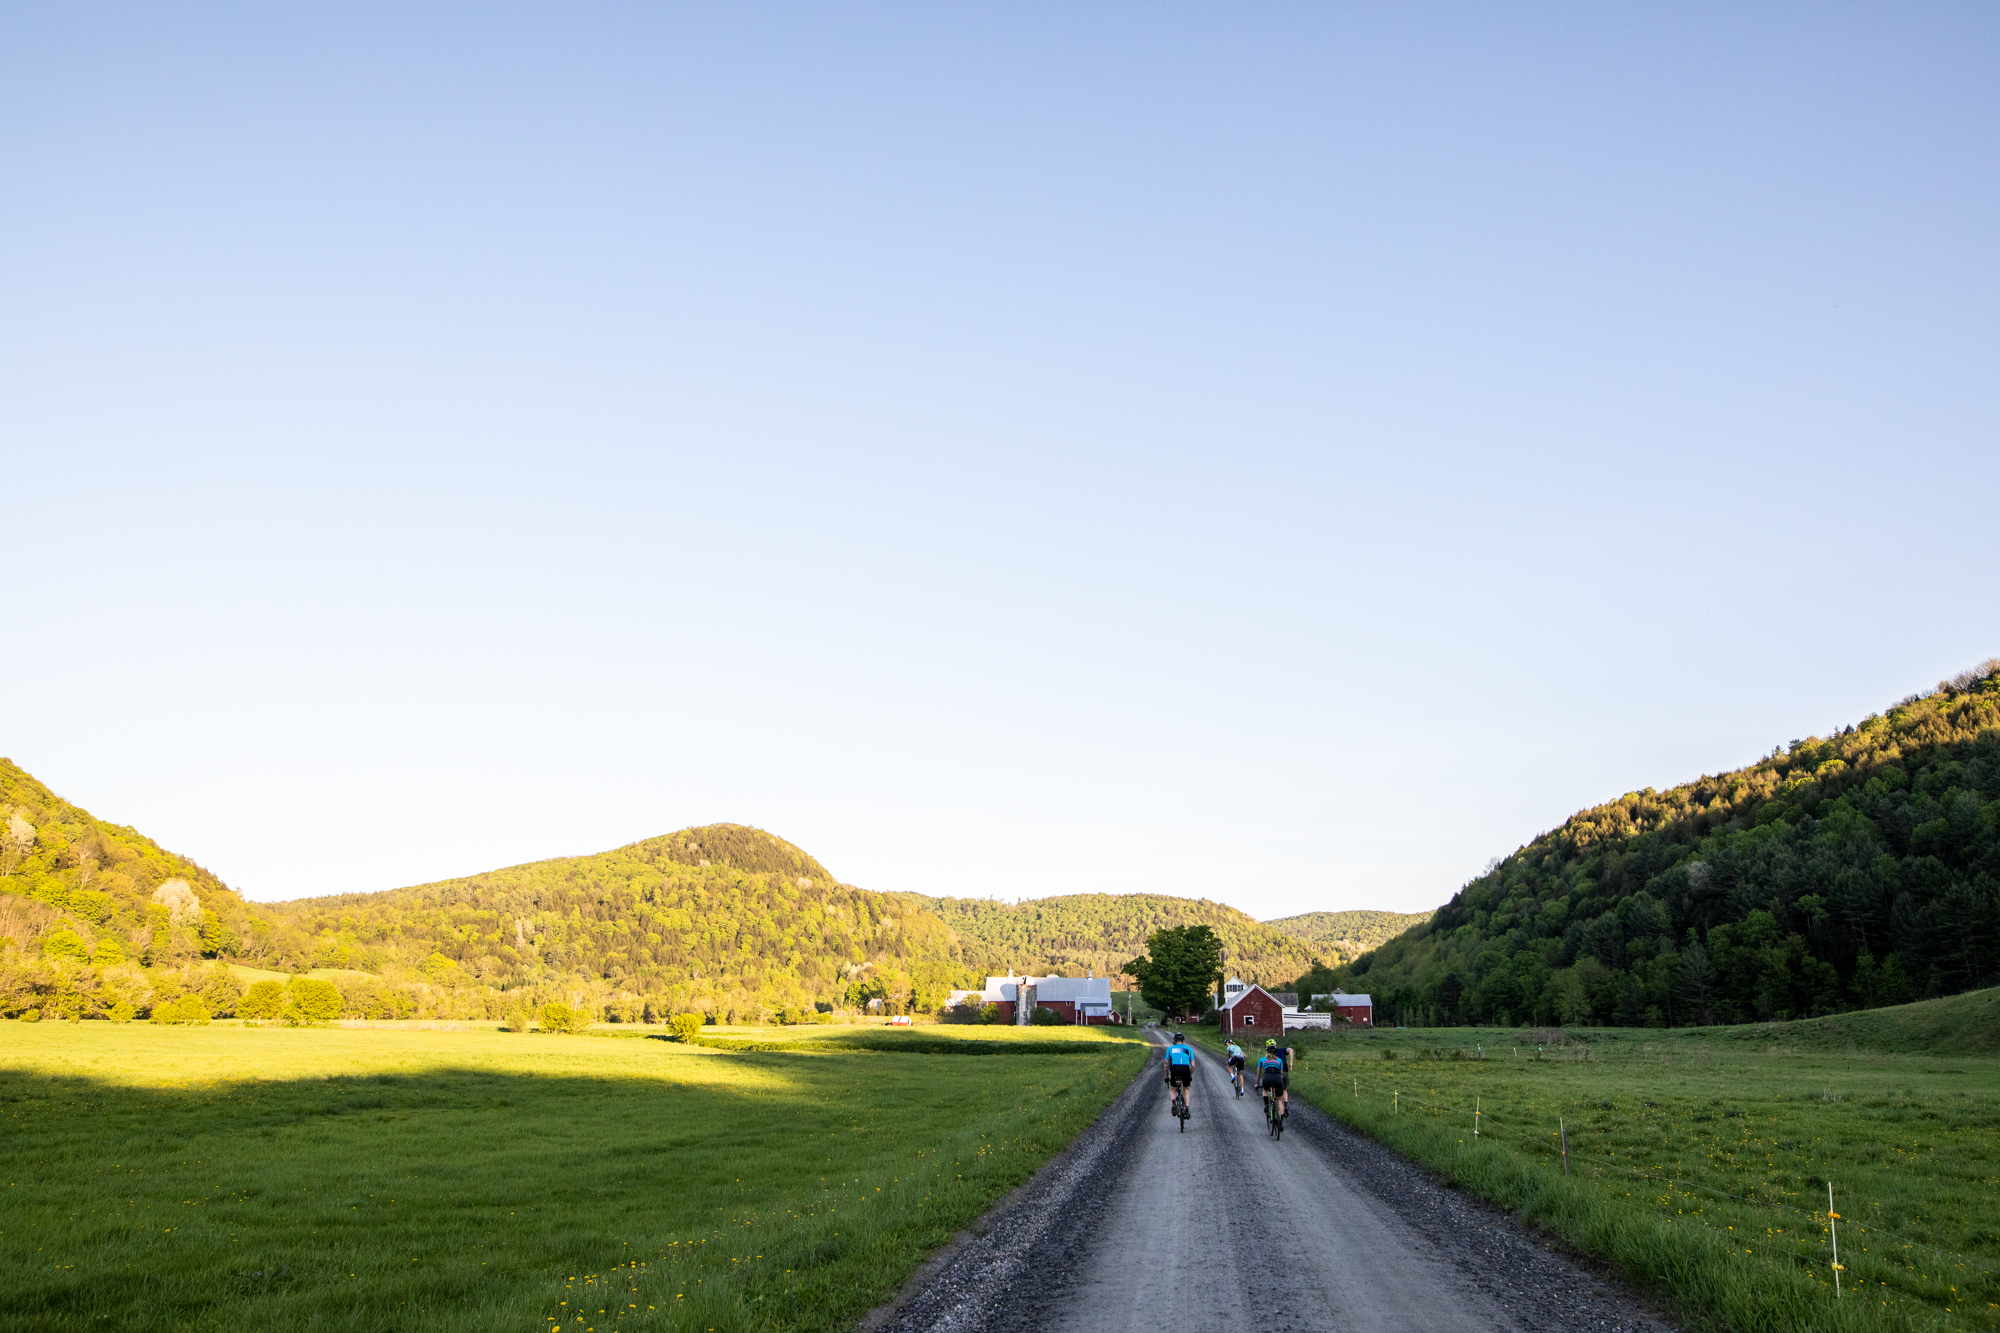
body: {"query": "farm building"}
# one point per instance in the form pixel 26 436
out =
pixel 1250 1011
pixel 1357 1009
pixel 1072 999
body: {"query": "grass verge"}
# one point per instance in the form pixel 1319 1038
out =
pixel 197 1178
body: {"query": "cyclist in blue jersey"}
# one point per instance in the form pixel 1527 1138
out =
pixel 1236 1061
pixel 1180 1072
pixel 1274 1071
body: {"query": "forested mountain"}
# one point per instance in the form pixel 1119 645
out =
pixel 1857 870
pixel 1349 933
pixel 725 919
pixel 1101 932
pixel 117 893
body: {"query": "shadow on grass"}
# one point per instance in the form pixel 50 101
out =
pixel 775 1189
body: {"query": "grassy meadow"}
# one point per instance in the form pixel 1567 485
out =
pixel 381 1179
pixel 1700 1158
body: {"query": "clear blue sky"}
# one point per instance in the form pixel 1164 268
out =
pixel 1283 454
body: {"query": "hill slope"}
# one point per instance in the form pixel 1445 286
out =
pixel 724 919
pixel 62 868
pixel 1349 933
pixel 1854 871
pixel 1967 1024
pixel 1101 932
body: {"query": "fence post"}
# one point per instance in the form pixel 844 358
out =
pixel 1833 1229
pixel 1563 1130
pixel 1396 1107
pixel 1475 1117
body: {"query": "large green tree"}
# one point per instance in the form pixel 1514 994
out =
pixel 1180 970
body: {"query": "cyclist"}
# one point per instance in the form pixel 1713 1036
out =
pixel 1180 1072
pixel 1236 1065
pixel 1274 1073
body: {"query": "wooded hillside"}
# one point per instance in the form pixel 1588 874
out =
pixel 116 891
pixel 1099 932
pixel 724 919
pixel 1349 933
pixel 1851 871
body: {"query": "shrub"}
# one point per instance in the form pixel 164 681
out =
pixel 990 1014
pixel 385 1002
pixel 559 1017
pixel 265 1001
pixel 310 1000
pixel 107 953
pixel 31 1015
pixel 121 1012
pixel 221 991
pixel 517 1019
pixel 687 1026
pixel 1044 1017
pixel 187 1009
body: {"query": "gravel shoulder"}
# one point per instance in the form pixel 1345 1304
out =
pixel 1138 1223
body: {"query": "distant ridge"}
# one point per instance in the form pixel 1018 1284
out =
pixel 1351 933
pixel 1100 932
pixel 726 919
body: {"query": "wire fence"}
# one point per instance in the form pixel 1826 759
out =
pixel 1484 1123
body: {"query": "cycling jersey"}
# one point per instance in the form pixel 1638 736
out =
pixel 1235 1056
pixel 1271 1072
pixel 1180 1054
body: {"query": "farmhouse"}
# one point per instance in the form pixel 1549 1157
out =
pixel 1357 1009
pixel 1074 1000
pixel 1250 1011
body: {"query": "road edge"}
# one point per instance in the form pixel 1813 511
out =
pixel 948 1291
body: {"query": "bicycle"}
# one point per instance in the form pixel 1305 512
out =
pixel 1181 1106
pixel 1236 1080
pixel 1274 1119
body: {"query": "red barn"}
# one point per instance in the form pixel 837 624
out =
pixel 1251 1011
pixel 1356 1009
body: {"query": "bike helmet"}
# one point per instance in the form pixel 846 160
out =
pixel 1179 1037
pixel 1270 1042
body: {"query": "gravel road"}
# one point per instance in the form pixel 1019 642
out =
pixel 1142 1227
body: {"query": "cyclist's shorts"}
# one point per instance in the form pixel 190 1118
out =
pixel 1236 1062
pixel 1181 1074
pixel 1276 1078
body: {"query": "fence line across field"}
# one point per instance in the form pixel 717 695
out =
pixel 1781 1246
pixel 1815 1213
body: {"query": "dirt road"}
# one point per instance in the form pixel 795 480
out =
pixel 1221 1228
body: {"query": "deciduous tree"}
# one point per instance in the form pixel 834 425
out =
pixel 1181 969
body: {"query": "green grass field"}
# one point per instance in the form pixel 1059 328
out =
pixel 236 1177
pixel 1700 1158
